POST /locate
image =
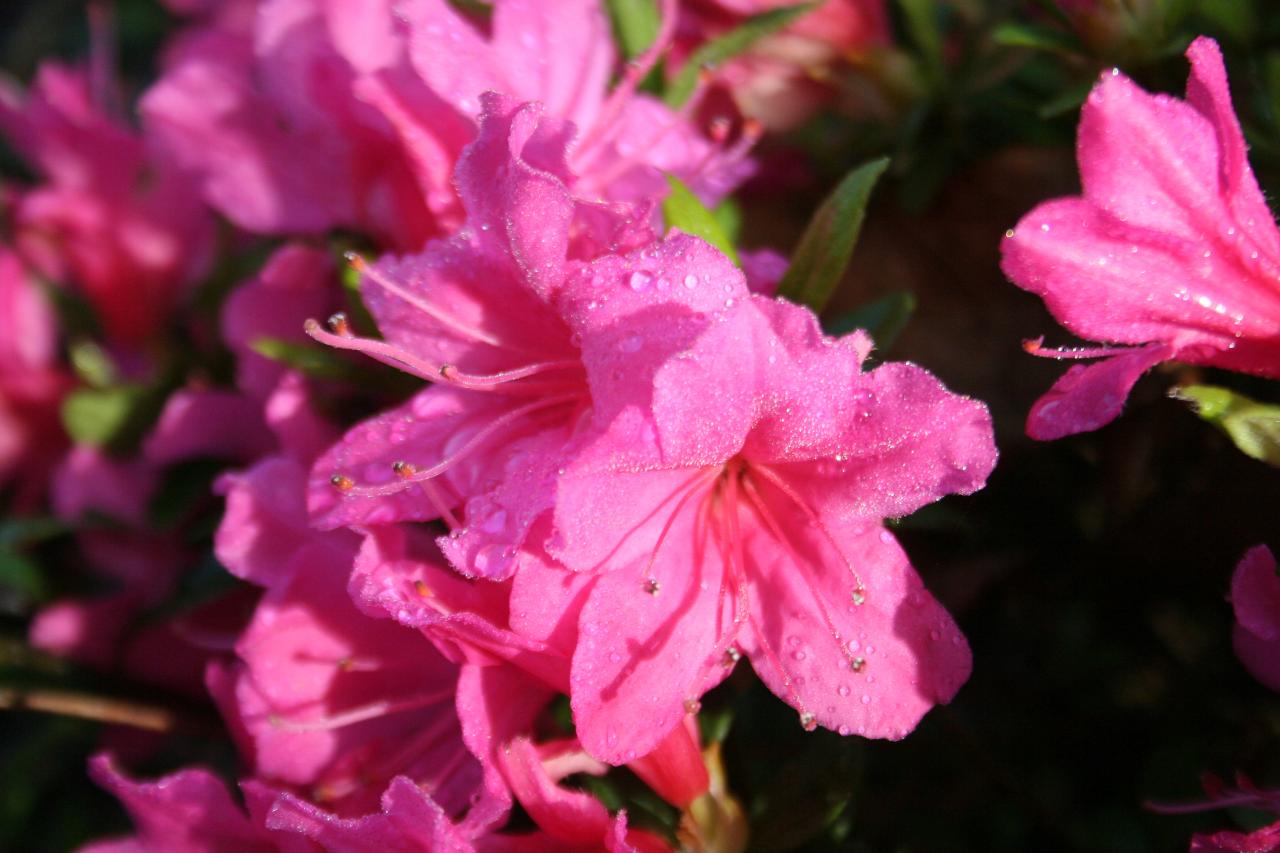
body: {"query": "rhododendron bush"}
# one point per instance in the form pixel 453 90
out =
pixel 485 425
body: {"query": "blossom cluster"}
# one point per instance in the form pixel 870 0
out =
pixel 514 465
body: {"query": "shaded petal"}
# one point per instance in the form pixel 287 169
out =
pixel 644 650
pixel 872 669
pixel 1255 594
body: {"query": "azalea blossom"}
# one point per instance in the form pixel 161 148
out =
pixel 734 505
pixel 1171 253
pixel 112 216
pixel 307 116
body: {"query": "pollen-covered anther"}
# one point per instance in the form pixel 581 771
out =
pixel 342 482
pixel 808 722
pixel 652 586
pixel 404 469
pixel 859 595
pixel 355 260
pixel 692 706
pixel 731 656
pixel 420 587
pixel 858 664
pixel 339 324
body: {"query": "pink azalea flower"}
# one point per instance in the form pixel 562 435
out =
pixel 1265 840
pixel 1255 595
pixel 112 217
pixel 1171 252
pixel 732 504
pixel 322 115
pixel 31 386
pixel 476 314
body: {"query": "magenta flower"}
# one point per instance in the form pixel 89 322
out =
pixel 1171 252
pixel 113 217
pixel 1255 596
pixel 730 494
pixel 31 386
pixel 1264 840
pixel 313 115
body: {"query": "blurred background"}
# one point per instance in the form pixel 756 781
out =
pixel 1089 576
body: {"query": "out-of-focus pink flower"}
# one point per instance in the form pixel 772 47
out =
pixel 113 217
pixel 734 505
pixel 785 77
pixel 31 386
pixel 335 115
pixel 1255 596
pixel 1265 840
pixel 1171 252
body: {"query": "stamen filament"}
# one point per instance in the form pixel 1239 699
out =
pixel 363 712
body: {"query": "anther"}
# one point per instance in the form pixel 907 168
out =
pixel 692 706
pixel 420 587
pixel 858 664
pixel 342 483
pixel 339 325
pixel 731 656
pixel 808 722
pixel 404 469
pixel 652 586
pixel 859 595
pixel 355 260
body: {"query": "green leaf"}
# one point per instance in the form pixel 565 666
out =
pixel 819 262
pixel 635 24
pixel 684 210
pixel 311 359
pixel 1253 426
pixel 20 573
pixel 1014 34
pixel 92 364
pixel 730 45
pixel 883 319
pixel 104 416
pixel 921 18
pixel 30 530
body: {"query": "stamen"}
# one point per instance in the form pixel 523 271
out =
pixel 373 274
pixel 731 656
pixel 362 713
pixel 342 483
pixel 773 478
pixel 636 71
pixel 404 481
pixel 479 382
pixel 762 509
pixel 339 325
pixel 808 722
pixel 652 586
pixel 1036 347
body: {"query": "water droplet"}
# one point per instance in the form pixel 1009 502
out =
pixel 859 596
pixel 866 699
pixel 691 281
pixel 1044 227
pixel 640 281
pixel 631 343
pixel 935 635
pixel 799 655
pixel 493 559
pixel 843 690
pixel 844 730
pixel 614 657
pixel 794 640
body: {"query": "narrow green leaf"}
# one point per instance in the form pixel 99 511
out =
pixel 103 416
pixel 921 18
pixel 1015 34
pixel 684 210
pixel 92 364
pixel 884 319
pixel 820 259
pixel 311 359
pixel 730 45
pixel 1253 426
pixel 635 24
pixel 729 215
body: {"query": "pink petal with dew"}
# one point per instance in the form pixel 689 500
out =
pixel 1087 397
pixel 649 642
pixel 189 810
pixel 865 651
